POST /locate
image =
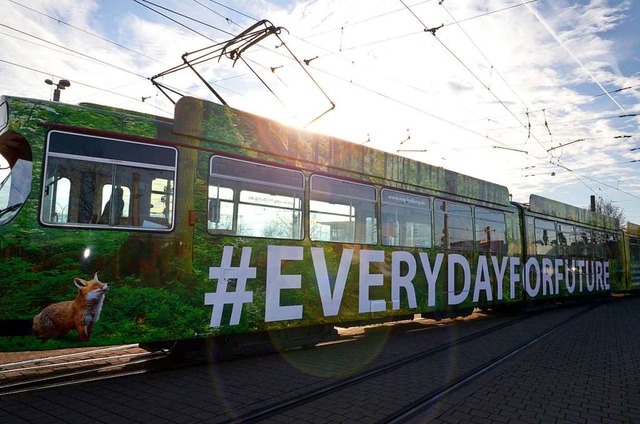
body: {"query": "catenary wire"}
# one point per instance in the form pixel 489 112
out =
pixel 92 34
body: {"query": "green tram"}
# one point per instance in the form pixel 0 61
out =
pixel 220 223
pixel 631 256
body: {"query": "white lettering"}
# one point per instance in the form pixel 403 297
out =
pixel 331 301
pixel 432 275
pixel 579 266
pixel 499 270
pixel 368 280
pixel 532 291
pixel 403 281
pixel 559 263
pixel 483 282
pixel 384 285
pixel 458 298
pixel 547 274
pixel 514 276
pixel 273 310
pixel 598 275
pixel 571 286
pixel 591 280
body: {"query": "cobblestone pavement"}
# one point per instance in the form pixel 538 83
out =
pixel 585 372
pixel 589 372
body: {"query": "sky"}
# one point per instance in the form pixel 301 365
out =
pixel 539 96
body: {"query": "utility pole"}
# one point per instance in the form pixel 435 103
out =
pixel 60 85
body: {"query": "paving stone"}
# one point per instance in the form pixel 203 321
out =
pixel 584 372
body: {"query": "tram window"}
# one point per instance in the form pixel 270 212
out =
pixel 599 243
pixel 161 206
pixel 491 231
pixel 254 200
pixel 566 236
pixel 100 182
pixel 584 242
pixel 406 219
pixel 453 226
pixel 4 119
pixel 60 207
pixel 634 249
pixel 342 211
pixel 546 240
pixel 612 245
pixel 221 209
pixel 15 175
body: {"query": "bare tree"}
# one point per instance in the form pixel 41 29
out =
pixel 608 208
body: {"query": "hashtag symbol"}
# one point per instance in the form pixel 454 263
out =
pixel 237 298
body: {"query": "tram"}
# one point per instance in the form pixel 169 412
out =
pixel 120 227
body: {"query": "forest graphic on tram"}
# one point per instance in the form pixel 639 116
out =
pixel 120 227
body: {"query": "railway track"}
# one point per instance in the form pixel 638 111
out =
pixel 403 369
pixel 41 372
pixel 430 399
pixel 438 366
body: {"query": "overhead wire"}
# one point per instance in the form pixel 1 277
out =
pixel 414 108
pixel 581 120
pixel 83 55
pixel 523 3
pixel 464 65
pixel 402 9
pixel 573 56
pixel 237 11
pixel 493 69
pixel 305 39
pixel 65 50
pixel 595 96
pixel 106 90
pixel 92 34
pixel 142 3
pixel 387 39
pixel 433 32
pixel 562 166
pixel 528 126
pixel 397 37
pixel 229 20
pixel 247 15
pixel 618 90
pixel 234 10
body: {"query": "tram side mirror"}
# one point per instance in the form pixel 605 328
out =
pixel 214 210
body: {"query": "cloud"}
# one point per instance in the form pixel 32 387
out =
pixel 487 75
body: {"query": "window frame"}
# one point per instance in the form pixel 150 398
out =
pixel 109 159
pixel 504 246
pixel 361 228
pixel 634 248
pixel 551 243
pixel 259 184
pixel 422 203
pixel 466 245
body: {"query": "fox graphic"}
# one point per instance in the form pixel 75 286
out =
pixel 58 319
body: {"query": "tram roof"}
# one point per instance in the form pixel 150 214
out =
pixel 633 229
pixel 226 129
pixel 553 208
pixel 232 130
